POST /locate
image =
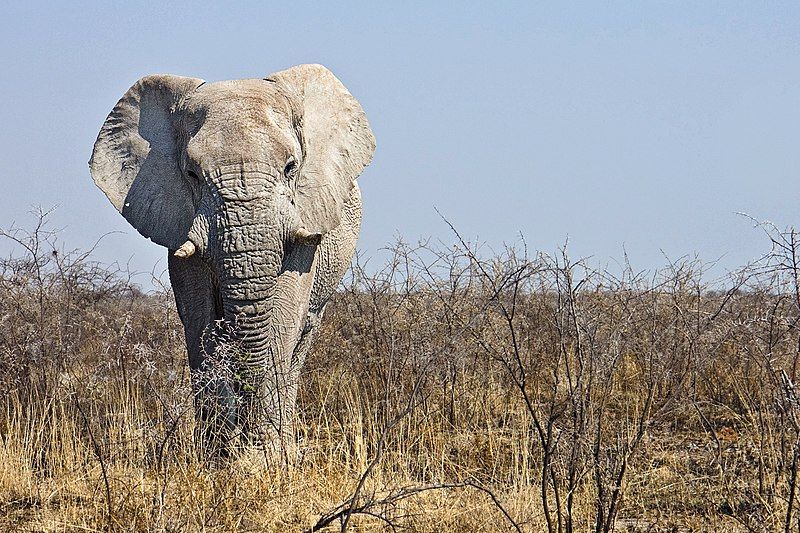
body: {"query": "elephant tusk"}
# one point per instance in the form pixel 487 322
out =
pixel 187 249
pixel 304 236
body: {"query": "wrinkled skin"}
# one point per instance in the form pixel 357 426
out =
pixel 251 186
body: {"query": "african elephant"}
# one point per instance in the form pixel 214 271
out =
pixel 251 186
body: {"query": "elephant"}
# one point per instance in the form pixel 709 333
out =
pixel 251 186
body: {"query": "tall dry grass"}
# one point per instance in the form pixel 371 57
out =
pixel 449 389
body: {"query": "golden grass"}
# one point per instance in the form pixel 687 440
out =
pixel 678 392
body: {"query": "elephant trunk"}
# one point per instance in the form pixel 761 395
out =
pixel 251 255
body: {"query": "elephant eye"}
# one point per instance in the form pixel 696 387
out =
pixel 192 175
pixel 291 167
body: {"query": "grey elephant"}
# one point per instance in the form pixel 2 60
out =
pixel 251 186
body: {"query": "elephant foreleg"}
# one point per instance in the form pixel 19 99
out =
pixel 200 310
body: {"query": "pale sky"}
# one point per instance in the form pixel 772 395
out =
pixel 637 126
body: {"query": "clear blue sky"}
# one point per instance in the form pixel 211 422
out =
pixel 646 125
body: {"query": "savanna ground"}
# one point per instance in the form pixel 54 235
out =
pixel 450 389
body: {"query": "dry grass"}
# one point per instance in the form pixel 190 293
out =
pixel 462 393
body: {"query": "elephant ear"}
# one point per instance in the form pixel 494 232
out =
pixel 337 143
pixel 135 160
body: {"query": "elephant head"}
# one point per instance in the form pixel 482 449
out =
pixel 236 177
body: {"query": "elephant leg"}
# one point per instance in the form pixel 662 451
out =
pixel 200 311
pixel 288 450
pixel 304 344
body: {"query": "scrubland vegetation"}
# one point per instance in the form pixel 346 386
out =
pixel 450 389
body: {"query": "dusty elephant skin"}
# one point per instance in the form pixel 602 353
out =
pixel 251 186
